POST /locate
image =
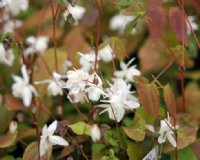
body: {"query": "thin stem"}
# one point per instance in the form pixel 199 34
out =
pixel 180 3
pixel 37 131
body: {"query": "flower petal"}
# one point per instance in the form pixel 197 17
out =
pixel 171 139
pixel 27 96
pixel 57 140
pixel 25 73
pixel 52 127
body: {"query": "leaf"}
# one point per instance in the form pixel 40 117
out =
pixel 195 147
pixel 137 130
pixel 8 140
pixel 135 151
pixel 149 96
pixel 75 42
pixel 179 24
pixel 192 96
pixel 157 19
pixel 117 45
pixel 153 56
pixel 184 154
pixel 135 134
pixel 170 100
pixel 5 117
pixel 31 152
pixel 81 128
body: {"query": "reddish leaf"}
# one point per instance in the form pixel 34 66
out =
pixel 157 18
pixel 152 56
pixel 170 100
pixel 149 96
pixel 179 24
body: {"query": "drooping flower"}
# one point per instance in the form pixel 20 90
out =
pixel 76 11
pixel 119 99
pixel 15 7
pixel 118 22
pixel 6 57
pixel 13 126
pixel 22 87
pixel 166 131
pixel 106 54
pixel 48 139
pixel 56 84
pixel 95 133
pixel 36 44
pixel 128 72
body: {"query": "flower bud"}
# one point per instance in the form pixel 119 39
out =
pixel 13 127
pixel 95 133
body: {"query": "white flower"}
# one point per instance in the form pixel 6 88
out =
pixel 76 84
pixel 166 132
pixel 6 57
pixel 56 84
pixel 22 88
pixel 94 90
pixel 193 24
pixel 37 44
pixel 76 11
pixel 119 99
pixel 87 61
pixel 95 133
pixel 13 127
pixel 119 22
pixel 127 72
pixel 11 25
pixel 106 54
pixel 48 139
pixel 16 6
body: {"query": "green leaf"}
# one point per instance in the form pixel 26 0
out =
pixel 31 152
pixel 5 118
pixel 137 130
pixel 184 154
pixel 135 152
pixel 81 128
